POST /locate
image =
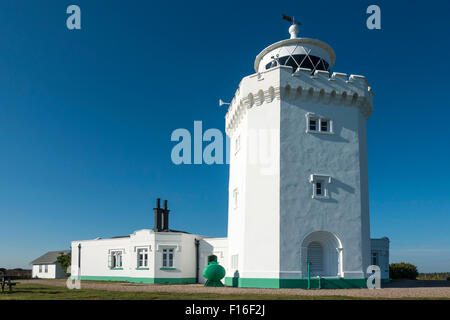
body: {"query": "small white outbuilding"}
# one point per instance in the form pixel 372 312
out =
pixel 46 266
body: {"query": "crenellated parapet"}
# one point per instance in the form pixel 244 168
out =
pixel 280 82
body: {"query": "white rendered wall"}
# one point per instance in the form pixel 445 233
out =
pixel 342 156
pixel 253 228
pixel 94 255
pixel 236 215
pixel 278 211
pixel 184 255
pixel 51 274
pixel 212 246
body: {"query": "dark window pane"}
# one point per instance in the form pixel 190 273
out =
pixel 301 60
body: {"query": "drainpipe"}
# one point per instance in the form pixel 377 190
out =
pixel 79 261
pixel 309 276
pixel 320 287
pixel 197 260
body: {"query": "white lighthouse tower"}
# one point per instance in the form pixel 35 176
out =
pixel 298 189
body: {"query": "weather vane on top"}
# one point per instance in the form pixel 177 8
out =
pixel 285 17
pixel 293 30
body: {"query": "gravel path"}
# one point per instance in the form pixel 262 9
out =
pixel 403 289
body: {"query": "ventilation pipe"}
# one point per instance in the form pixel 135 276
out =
pixel 309 275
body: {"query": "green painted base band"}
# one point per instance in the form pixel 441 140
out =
pixel 325 283
pixel 139 280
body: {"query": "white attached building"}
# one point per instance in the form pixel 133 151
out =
pixel 160 255
pixel 46 267
pixel 298 208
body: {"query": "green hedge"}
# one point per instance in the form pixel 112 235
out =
pixel 403 270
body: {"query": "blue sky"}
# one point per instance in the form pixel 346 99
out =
pixel 86 116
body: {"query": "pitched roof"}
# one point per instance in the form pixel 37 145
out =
pixel 50 257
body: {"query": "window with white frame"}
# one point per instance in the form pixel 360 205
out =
pixel 324 125
pixel 312 123
pixel 115 259
pixel 320 186
pixel 46 268
pixel 319 189
pixel 142 258
pixel 40 268
pixel 235 198
pixel 168 258
pixel 316 124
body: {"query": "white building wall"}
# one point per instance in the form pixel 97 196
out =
pixel 51 274
pixel 236 213
pixel 94 257
pixel 95 253
pixel 279 210
pixel 184 255
pixel 342 156
pixel 212 246
pixel 253 228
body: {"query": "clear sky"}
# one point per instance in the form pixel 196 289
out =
pixel 86 116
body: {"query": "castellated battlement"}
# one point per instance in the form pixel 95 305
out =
pixel 280 82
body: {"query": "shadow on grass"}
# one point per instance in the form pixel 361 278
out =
pixel 417 284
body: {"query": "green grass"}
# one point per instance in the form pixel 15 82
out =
pixel 44 292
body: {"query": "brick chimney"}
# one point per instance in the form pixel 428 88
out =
pixel 158 216
pixel 165 217
pixel 161 216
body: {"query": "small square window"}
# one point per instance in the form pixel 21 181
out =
pixel 318 125
pixel 320 184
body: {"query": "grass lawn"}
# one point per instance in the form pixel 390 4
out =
pixel 43 292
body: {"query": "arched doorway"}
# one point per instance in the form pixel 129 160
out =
pixel 315 256
pixel 323 250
